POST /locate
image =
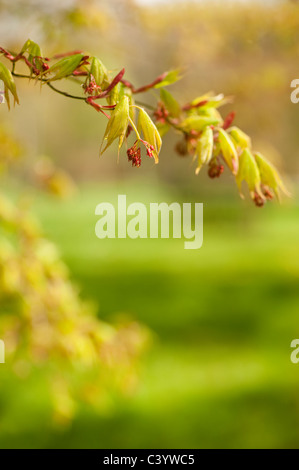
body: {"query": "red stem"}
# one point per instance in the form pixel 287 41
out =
pixel 145 87
pixel 114 82
pixel 66 54
pixel 228 120
pixel 192 106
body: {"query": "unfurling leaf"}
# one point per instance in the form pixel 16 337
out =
pixel 269 175
pixel 239 137
pixel 212 101
pixel 117 124
pixel 249 172
pixel 32 48
pixel 170 103
pixel 34 55
pixel 150 133
pixel 211 113
pixel 9 84
pixel 170 77
pixel 99 71
pixel 114 95
pixel 65 66
pixel 204 149
pixel 229 151
pixel 198 123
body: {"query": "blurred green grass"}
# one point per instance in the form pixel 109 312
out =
pixel 219 372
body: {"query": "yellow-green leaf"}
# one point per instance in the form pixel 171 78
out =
pixel 171 77
pixel 65 67
pixel 212 113
pixel 204 148
pixel 9 84
pixel 114 95
pixel 117 124
pixel 170 103
pixel 249 172
pixel 32 48
pixel 212 101
pixel 269 175
pixel 229 151
pixel 239 137
pixel 98 71
pixel 198 123
pixel 150 132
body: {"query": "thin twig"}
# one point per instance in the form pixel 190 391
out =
pixel 44 80
pixel 64 93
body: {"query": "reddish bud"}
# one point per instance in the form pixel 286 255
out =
pixel 181 148
pixel 228 120
pixel 267 192
pixel 258 200
pixel 215 170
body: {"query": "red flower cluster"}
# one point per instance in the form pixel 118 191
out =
pixel 134 152
pixel 134 155
pixel 90 87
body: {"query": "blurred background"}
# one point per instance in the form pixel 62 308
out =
pixel 219 321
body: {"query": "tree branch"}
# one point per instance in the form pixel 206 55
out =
pixel 44 80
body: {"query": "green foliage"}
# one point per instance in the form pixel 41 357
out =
pixel 170 103
pixel 207 137
pixel 169 78
pixel 45 324
pixel 64 67
pixel 9 84
pixel 189 379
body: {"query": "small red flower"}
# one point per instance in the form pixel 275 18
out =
pixel 149 148
pixel 134 154
pixel 90 86
pixel 216 169
pixel 161 113
pixel 258 200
